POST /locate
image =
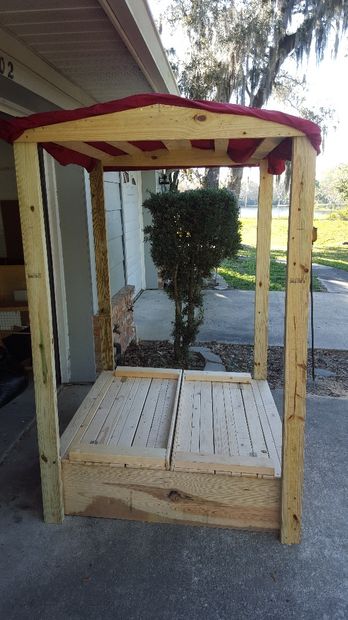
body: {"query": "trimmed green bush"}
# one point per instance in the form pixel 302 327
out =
pixel 191 233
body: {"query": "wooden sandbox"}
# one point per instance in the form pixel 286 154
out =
pixel 172 446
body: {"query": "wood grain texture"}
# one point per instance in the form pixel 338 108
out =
pixel 39 301
pixel 175 497
pixel 102 267
pixel 263 247
pixel 158 122
pixel 296 324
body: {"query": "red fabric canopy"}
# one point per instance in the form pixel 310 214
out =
pixel 239 150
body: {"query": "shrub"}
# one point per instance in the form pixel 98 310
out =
pixel 340 214
pixel 191 233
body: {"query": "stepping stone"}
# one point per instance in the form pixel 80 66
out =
pixel 215 367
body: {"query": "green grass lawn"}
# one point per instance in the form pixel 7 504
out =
pixel 328 250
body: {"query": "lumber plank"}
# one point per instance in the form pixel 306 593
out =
pixel 154 373
pixel 130 456
pixel 206 433
pixel 274 420
pixel 267 145
pixel 85 149
pixel 166 418
pixel 158 414
pixel 169 496
pixel 42 341
pixel 131 149
pixel 266 428
pixel 178 145
pixel 91 427
pixel 195 418
pixel 173 422
pixel 191 461
pixel 126 435
pixel 158 122
pixel 230 420
pixel 242 430
pixel 254 423
pixel 184 426
pixel 207 375
pixel 119 400
pixel 296 324
pixel 263 248
pixel 221 145
pixel 144 427
pixel 219 420
pixel 88 407
pixel 184 158
pixel 102 267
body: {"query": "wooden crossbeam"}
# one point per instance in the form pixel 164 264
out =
pixel 158 122
pixel 169 159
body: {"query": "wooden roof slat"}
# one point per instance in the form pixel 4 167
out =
pixel 131 149
pixel 267 145
pixel 177 145
pixel 83 148
pixel 221 145
pixel 159 122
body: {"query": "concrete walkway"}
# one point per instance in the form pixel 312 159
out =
pixel 122 570
pixel 229 317
pixel 334 280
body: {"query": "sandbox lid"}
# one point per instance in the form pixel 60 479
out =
pixel 127 419
pixel 227 423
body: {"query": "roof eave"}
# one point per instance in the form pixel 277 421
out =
pixel 133 21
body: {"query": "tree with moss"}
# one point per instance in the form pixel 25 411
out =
pixel 191 233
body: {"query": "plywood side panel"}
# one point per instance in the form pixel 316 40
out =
pixel 171 497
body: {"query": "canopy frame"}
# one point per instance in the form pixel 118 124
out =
pixel 177 127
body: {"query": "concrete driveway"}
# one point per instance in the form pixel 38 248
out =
pixel 121 570
pixel 229 317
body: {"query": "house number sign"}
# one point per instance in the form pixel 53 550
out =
pixel 6 67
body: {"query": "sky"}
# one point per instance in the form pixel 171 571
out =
pixel 327 85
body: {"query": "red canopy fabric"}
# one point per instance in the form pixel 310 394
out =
pixel 239 150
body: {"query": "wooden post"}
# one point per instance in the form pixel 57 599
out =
pixel 263 247
pixel 296 325
pixel 39 300
pixel 102 267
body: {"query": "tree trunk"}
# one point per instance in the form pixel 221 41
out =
pixel 234 181
pixel 211 178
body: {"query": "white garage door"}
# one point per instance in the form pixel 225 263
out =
pixel 133 229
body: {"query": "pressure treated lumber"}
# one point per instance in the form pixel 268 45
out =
pixel 102 267
pixel 156 495
pixel 40 309
pixel 296 321
pixel 159 122
pixel 263 247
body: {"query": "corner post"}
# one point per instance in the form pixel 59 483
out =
pixel 102 267
pixel 296 326
pixel 263 247
pixel 40 310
